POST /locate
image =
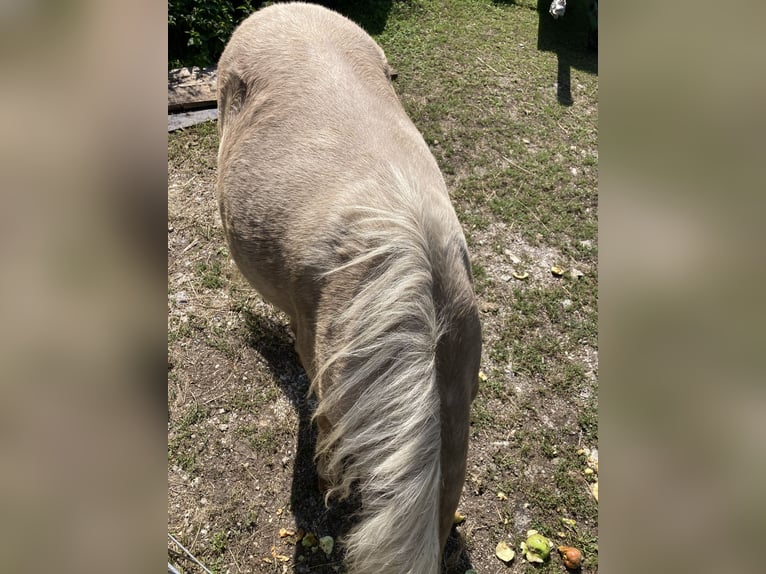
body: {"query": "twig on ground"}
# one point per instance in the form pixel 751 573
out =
pixel 488 66
pixel 192 244
pixel 517 166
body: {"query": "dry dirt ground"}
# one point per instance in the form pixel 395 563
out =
pixel 522 171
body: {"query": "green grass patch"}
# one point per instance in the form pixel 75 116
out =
pixel 210 274
pixel 195 147
pixel 265 440
pixel 181 450
pixel 587 419
pixel 531 341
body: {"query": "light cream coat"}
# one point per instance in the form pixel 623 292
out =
pixel 336 212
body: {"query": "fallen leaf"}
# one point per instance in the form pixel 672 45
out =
pixel 284 532
pixel 326 543
pixel 594 490
pixel 482 376
pixel 459 519
pixel 502 496
pixel 280 557
pixel 557 271
pixel 309 540
pixel 520 276
pixel 504 552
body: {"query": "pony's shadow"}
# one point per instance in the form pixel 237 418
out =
pixel 273 342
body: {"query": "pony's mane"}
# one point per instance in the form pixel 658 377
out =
pixel 382 394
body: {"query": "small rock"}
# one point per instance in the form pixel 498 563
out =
pixel 224 427
pixel 573 171
pixel 566 303
pixel 586 243
pixel 515 259
pixel 575 273
pixel 505 278
pixel 489 307
pixel 182 297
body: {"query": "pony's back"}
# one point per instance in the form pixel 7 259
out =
pixel 336 212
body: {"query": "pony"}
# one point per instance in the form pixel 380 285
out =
pixel 336 212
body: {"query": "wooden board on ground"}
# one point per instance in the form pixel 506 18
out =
pixel 181 120
pixel 191 88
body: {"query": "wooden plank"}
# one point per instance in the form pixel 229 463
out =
pixel 192 88
pixel 180 120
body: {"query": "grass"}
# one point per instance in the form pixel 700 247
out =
pixel 182 450
pixel 522 172
pixel 261 439
pixel 210 274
